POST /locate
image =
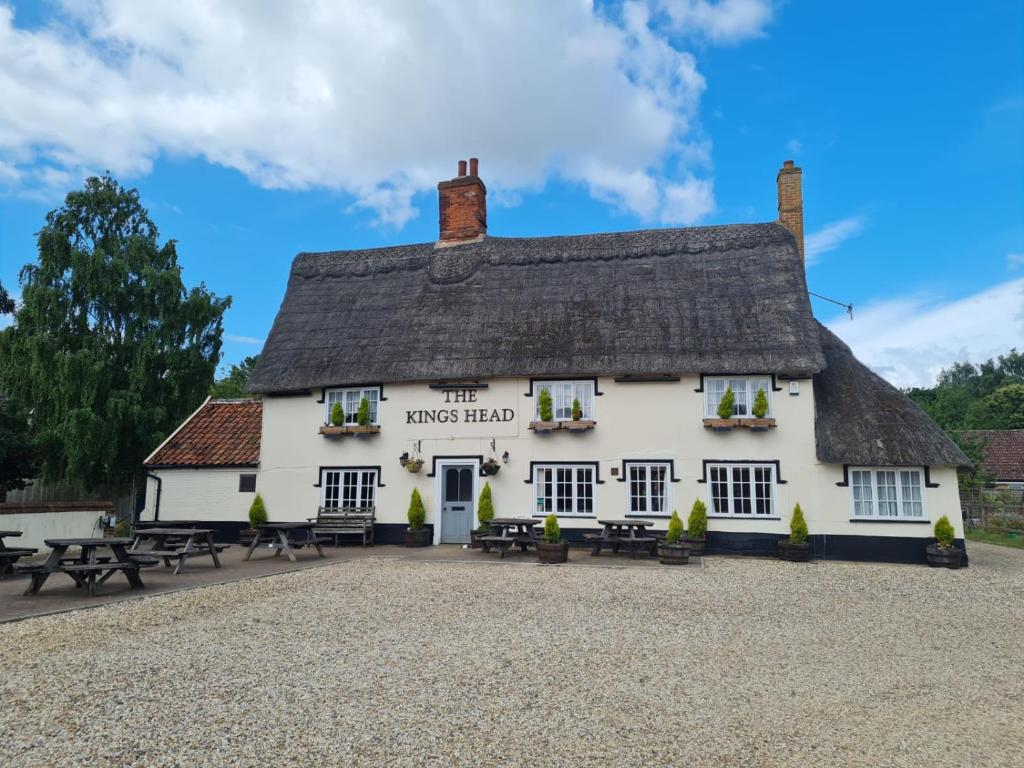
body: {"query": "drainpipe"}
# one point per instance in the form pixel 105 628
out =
pixel 159 488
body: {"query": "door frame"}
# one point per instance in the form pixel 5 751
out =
pixel 439 467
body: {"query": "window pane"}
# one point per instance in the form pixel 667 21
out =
pixel 886 484
pixel 741 491
pixel 638 488
pixel 739 390
pixel 542 388
pixel 331 483
pixel 369 483
pixel 563 400
pixel 371 395
pixel 563 490
pixel 715 389
pixel 543 490
pixel 720 490
pixel 862 498
pixel 351 407
pixel 910 485
pixel 466 485
pixel 763 490
pixel 584 490
pixel 658 501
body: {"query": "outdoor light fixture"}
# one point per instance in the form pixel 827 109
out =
pixel 504 457
pixel 404 458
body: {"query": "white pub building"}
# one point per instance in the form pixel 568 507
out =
pixel 452 342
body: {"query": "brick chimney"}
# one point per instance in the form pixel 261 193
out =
pixel 462 206
pixel 791 202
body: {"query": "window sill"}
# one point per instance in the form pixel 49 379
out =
pixel 541 516
pixel 727 425
pixel 744 517
pixel 641 516
pixel 911 520
pixel 542 427
pixel 329 430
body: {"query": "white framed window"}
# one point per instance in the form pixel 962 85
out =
pixel 742 490
pixel 350 399
pixel 879 493
pixel 562 395
pixel 647 489
pixel 744 389
pixel 565 490
pixel 348 488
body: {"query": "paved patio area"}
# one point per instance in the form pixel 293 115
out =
pixel 60 594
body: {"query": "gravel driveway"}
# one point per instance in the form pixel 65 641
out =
pixel 399 663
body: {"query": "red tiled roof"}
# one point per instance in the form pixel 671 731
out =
pixel 221 433
pixel 1003 452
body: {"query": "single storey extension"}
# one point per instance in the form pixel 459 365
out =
pixel 450 347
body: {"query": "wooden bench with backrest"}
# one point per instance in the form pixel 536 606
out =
pixel 345 521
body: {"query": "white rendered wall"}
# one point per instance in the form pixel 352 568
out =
pixel 36 527
pixel 199 494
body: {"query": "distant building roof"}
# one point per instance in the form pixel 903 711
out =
pixel 222 433
pixel 1002 452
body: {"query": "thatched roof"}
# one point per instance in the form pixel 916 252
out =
pixel 705 299
pixel 864 420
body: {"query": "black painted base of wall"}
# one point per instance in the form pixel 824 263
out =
pixel 875 549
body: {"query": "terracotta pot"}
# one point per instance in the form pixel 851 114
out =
pixel 421 537
pixel 553 553
pixel 673 554
pixel 696 546
pixel 940 557
pixel 794 553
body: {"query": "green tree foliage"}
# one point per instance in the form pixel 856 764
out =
pixel 417 514
pixel 257 512
pixel 552 531
pixel 726 404
pixel 986 396
pixel 6 302
pixel 544 406
pixel 108 347
pixel 675 528
pixel 232 385
pixel 337 414
pixel 697 523
pixel 19 461
pixel 363 414
pixel 944 533
pixel 797 526
pixel 577 410
pixel 485 508
pixel 760 409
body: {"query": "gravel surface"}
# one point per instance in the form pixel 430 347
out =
pixel 400 663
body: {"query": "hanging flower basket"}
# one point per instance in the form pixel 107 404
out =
pixel 413 466
pixel 490 467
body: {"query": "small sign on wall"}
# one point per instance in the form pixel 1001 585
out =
pixel 794 387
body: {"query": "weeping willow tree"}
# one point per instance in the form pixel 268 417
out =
pixel 109 350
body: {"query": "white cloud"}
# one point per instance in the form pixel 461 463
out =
pixel 794 146
pixel 910 340
pixel 727 21
pixel 377 100
pixel 1014 260
pixel 830 237
pixel 242 339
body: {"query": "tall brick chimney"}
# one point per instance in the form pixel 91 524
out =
pixel 462 206
pixel 791 202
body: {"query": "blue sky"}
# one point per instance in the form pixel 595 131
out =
pixel 253 136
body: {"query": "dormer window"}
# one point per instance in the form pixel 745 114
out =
pixel 744 390
pixel 350 399
pixel 563 393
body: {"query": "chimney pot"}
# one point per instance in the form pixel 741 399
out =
pixel 791 202
pixel 474 166
pixel 462 206
pixel 462 168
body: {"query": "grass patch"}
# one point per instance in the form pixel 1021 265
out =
pixel 991 537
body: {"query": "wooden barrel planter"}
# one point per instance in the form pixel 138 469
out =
pixel 941 557
pixel 553 553
pixel 418 538
pixel 794 553
pixel 696 547
pixel 673 554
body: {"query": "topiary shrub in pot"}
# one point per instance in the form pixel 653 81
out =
pixel 577 410
pixel 484 513
pixel 363 414
pixel 417 535
pixel 796 548
pixel 697 528
pixel 942 554
pixel 257 517
pixel 760 408
pixel 337 415
pixel 726 404
pixel 673 549
pixel 551 549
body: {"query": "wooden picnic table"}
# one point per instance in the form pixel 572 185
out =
pixel 87 569
pixel 630 532
pixel 282 537
pixel 10 555
pixel 510 531
pixel 179 544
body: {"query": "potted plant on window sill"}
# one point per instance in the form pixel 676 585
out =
pixel 673 549
pixel 551 549
pixel 725 421
pixel 545 414
pixel 760 422
pixel 578 423
pixel 942 554
pixel 490 467
pixel 697 528
pixel 484 513
pixel 796 548
pixel 417 535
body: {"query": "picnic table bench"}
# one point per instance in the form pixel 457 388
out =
pixel 508 532
pixel 87 569
pixel 282 537
pixel 630 533
pixel 344 521
pixel 177 544
pixel 10 555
